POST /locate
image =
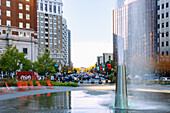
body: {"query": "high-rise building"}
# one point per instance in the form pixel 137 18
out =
pixel 69 48
pixel 163 28
pixel 135 22
pixel 18 25
pixel 65 40
pixel 49 25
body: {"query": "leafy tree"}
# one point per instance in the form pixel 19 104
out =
pixel 44 64
pixel 11 60
pixel 26 66
pixel 113 66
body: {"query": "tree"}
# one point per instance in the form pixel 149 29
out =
pixel 26 66
pixel 113 66
pixel 162 65
pixel 44 64
pixel 11 60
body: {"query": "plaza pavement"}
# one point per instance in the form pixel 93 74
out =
pixel 144 88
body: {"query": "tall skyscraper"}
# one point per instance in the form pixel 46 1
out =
pixel 18 24
pixel 135 22
pixel 163 19
pixel 49 25
pixel 65 40
pixel 69 48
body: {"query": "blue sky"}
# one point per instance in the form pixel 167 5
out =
pixel 90 22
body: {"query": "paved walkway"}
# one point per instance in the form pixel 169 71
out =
pixel 159 89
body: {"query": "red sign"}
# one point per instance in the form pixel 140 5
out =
pixel 27 75
pixel 109 66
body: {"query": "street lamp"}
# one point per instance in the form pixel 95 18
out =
pixel 31 59
pixel 7 34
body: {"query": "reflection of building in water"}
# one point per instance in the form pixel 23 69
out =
pixel 50 102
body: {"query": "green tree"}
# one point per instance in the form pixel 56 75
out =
pixel 11 60
pixel 44 64
pixel 113 66
pixel 26 66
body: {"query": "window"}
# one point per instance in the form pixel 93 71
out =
pixel 167 5
pixel 20 6
pixel 162 34
pixel 41 6
pixel 8 3
pixel 50 8
pixel 25 50
pixel 20 25
pixel 158 26
pixel 21 34
pixel 20 15
pixel 162 25
pixel 46 9
pixel 167 44
pixel 27 34
pixel 0 21
pixel 162 53
pixel 37 6
pixel 163 15
pixel 167 34
pixel 27 16
pixel 8 23
pixel 162 6
pixel 167 14
pixel 158 8
pixel 0 11
pixel 167 53
pixel 0 2
pixel 8 13
pixel 158 16
pixel 27 7
pixel 58 9
pixel 27 25
pixel 54 7
pixel 27 0
pixel 162 44
pixel 167 24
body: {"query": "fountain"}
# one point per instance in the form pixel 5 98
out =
pixel 121 101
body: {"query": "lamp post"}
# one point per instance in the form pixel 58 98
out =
pixel 7 34
pixel 31 59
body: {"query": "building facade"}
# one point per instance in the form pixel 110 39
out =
pixel 99 60
pixel 18 26
pixel 107 57
pixel 136 23
pixel 163 20
pixel 65 41
pixel 49 25
pixel 69 48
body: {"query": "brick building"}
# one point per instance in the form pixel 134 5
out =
pixel 18 19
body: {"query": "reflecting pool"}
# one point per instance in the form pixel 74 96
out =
pixel 86 101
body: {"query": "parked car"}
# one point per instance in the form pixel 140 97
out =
pixel 156 79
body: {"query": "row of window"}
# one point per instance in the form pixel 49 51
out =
pixel 164 53
pixel 167 5
pixel 49 8
pixel 21 7
pixel 21 34
pixel 167 15
pixel 167 34
pixel 8 3
pixel 167 25
pixel 8 14
pixel 167 44
pixel 8 23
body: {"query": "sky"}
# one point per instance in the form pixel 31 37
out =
pixel 90 22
